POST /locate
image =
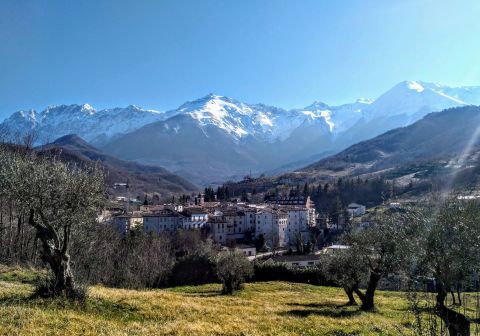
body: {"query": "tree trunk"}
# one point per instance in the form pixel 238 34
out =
pixel 458 294
pixel 57 258
pixel 367 299
pixel 453 297
pixel 351 298
pixel 457 324
pixel 64 283
pixel 228 287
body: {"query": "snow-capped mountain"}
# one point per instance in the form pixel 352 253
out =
pixel 94 126
pixel 402 105
pixel 241 120
pixel 216 137
pixel 411 98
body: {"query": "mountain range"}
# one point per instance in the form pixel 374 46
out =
pixel 439 151
pixel 215 138
pixel 96 127
pixel 449 135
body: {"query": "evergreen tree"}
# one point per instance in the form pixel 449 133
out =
pixel 305 190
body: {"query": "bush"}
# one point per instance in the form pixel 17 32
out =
pixel 195 269
pixel 232 269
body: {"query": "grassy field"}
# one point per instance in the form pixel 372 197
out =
pixel 271 308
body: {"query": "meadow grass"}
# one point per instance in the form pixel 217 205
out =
pixel 269 308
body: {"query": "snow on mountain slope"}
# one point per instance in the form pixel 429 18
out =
pixel 230 135
pixel 407 102
pixel 94 126
pixel 467 94
pixel 240 120
pixel 414 99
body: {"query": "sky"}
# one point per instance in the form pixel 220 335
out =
pixel 158 54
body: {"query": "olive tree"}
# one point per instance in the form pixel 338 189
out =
pixel 380 250
pixel 57 199
pixel 232 269
pixel 449 245
pixel 345 269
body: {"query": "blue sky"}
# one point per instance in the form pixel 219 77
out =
pixel 158 54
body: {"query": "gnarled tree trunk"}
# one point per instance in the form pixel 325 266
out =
pixel 351 299
pixel 457 324
pixel 57 258
pixel 368 302
pixel 64 282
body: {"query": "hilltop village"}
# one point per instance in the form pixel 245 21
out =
pixel 278 224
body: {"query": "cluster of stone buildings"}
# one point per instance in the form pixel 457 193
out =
pixel 281 222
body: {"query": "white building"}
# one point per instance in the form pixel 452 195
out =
pixel 299 223
pixel 194 218
pixel 218 229
pixel 162 221
pixel 272 224
pixel 126 223
pixel 250 218
pixel 247 250
pixel 228 225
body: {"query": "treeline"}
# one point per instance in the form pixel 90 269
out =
pixel 140 260
pixel 101 255
pixel 332 198
pixel 369 192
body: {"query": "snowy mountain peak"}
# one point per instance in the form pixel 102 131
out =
pixel 92 125
pixel 88 108
pixel 28 114
pixel 316 105
pixel 316 127
pixel 212 96
pixel 412 85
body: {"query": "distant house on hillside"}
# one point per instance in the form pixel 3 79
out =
pixel 247 250
pixel 355 209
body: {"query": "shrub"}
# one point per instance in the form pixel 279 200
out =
pixel 232 269
pixel 194 269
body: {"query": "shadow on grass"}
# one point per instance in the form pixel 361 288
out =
pixel 325 309
pixel 321 305
pixel 203 294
